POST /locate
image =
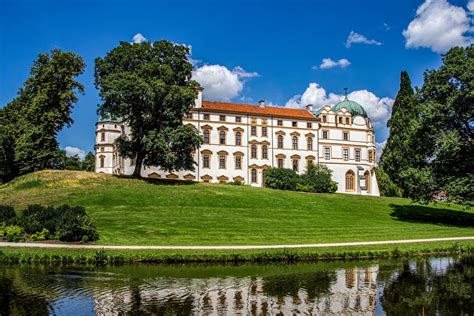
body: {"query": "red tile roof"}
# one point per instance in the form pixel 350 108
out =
pixel 250 109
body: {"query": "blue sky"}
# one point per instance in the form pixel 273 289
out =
pixel 252 49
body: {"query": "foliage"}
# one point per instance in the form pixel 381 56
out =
pixel 40 236
pixel 64 162
pixel 319 179
pixel 89 162
pixel 280 178
pixel 65 223
pixel 39 112
pixel 7 212
pixel 149 85
pixel 11 232
pixel 386 185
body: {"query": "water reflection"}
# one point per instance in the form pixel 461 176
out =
pixel 428 286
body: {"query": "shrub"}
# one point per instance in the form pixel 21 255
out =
pixel 7 212
pixel 73 223
pixel 279 178
pixel 386 186
pixel 11 233
pixel 36 217
pixel 235 182
pixel 304 187
pixel 320 179
pixel 42 235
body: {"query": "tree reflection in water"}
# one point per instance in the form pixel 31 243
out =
pixel 418 290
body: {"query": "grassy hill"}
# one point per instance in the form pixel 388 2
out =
pixel 140 212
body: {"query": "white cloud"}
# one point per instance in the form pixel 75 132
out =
pixel 439 25
pixel 377 108
pixel 72 151
pixel 220 83
pixel 328 63
pixel 355 38
pixel 379 147
pixel 138 38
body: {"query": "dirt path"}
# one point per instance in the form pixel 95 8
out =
pixel 340 244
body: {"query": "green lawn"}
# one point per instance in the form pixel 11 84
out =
pixel 138 212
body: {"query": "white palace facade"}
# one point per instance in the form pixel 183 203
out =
pixel 242 140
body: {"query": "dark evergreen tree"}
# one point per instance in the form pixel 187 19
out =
pixel 397 154
pixel 149 86
pixel 89 162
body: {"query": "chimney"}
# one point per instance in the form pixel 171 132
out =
pixel 261 103
pixel 309 107
pixel 198 101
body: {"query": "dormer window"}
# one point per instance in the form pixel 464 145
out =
pixel 348 120
pixel 340 120
pixel 324 118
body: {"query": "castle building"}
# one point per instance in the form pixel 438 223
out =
pixel 242 140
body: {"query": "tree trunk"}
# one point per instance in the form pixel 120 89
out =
pixel 138 166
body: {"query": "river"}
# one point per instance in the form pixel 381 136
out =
pixel 417 286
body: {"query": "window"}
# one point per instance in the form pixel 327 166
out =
pixel 238 162
pixel 238 119
pixel 238 139
pixel 189 115
pixel 222 160
pixel 340 120
pixel 102 161
pixel 280 141
pixel 264 131
pixel 205 161
pixel 253 152
pixel 325 134
pixel 357 154
pixel 295 165
pixel 309 143
pixel 253 130
pixel 264 152
pixel 327 153
pixel 295 142
pixel 350 181
pixel 310 163
pixel 102 137
pixel 206 136
pixel 324 118
pixel 222 137
pixel 309 125
pixel 367 181
pixel 294 124
pixel 370 156
pixel 280 163
pixel 348 120
pixel 222 118
pixel 345 135
pixel 345 154
pixel 280 122
pixel 102 148
pixel 206 116
pixel 254 175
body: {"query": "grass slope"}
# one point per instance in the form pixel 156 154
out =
pixel 139 212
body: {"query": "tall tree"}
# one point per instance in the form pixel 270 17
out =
pixel 89 162
pixel 444 133
pixel 42 109
pixel 397 152
pixel 149 86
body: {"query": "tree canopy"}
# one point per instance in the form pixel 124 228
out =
pixel 31 122
pixel 149 86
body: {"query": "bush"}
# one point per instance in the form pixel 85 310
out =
pixel 7 212
pixel 386 186
pixel 320 179
pixel 279 178
pixel 65 223
pixel 11 233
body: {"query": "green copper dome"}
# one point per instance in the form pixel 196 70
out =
pixel 109 118
pixel 353 107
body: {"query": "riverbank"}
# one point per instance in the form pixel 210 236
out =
pixel 122 256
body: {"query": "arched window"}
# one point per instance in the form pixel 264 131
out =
pixel 309 142
pixel 253 153
pixel 206 136
pixel 264 152
pixel 295 142
pixel 367 181
pixel 254 175
pixel 280 141
pixel 102 161
pixel 238 138
pixel 350 181
pixel 222 137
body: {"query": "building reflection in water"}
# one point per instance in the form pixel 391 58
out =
pixel 351 291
